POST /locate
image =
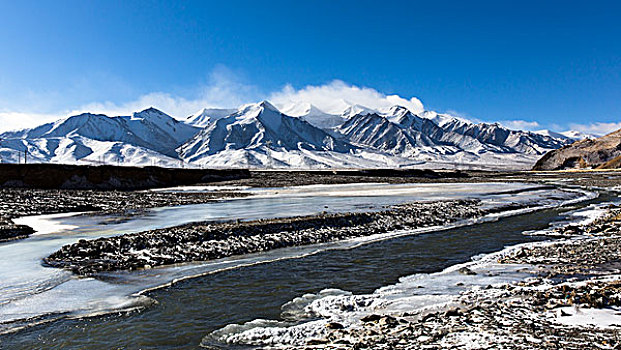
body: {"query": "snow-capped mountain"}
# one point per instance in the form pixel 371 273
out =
pixel 139 139
pixel 299 135
pixel 313 115
pixel 255 135
pixel 398 131
pixel 485 137
pixel 572 135
pixel 203 117
pixel 356 109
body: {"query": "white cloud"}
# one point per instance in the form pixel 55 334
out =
pixel 335 96
pixel 17 120
pixel 223 89
pixel 596 128
pixel 520 124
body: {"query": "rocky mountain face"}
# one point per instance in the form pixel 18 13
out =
pixel 603 153
pixel 298 135
pixel 140 139
pixel 252 136
pixel 486 137
pixel 398 131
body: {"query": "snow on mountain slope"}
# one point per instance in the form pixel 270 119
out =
pixel 159 131
pixel 404 135
pixel 141 139
pixel 578 135
pixel 485 137
pixel 353 110
pixel 203 117
pixel 550 133
pixel 260 128
pixel 259 135
pixel 398 131
pixel 313 115
pixel 82 150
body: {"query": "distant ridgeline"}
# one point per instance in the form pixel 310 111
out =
pixel 261 136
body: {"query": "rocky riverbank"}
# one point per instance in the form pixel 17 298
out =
pixel 213 240
pixel 572 301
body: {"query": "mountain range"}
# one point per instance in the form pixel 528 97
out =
pixel 297 135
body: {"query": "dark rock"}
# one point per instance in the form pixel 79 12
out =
pixel 334 325
pixel 371 318
pixel 452 312
pixel 466 271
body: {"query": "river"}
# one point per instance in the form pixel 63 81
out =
pixel 47 308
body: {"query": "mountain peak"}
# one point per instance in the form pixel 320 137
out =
pixel 395 111
pixel 85 114
pixel 151 110
pixel 254 110
pixel 149 113
pixel 206 115
pixel 355 109
pixel 265 104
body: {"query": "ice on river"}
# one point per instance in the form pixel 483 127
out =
pixel 31 293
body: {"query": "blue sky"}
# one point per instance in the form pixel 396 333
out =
pixel 554 63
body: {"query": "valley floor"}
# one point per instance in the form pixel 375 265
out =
pixel 575 283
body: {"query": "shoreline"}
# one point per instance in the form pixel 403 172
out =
pixel 572 280
pixel 212 240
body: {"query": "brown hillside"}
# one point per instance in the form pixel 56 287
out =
pixel 589 153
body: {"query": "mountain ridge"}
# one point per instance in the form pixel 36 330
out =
pixel 261 135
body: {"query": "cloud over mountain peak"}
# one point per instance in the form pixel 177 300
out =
pixel 337 95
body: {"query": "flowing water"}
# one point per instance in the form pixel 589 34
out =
pixel 46 308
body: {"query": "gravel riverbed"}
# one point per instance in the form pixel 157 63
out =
pixel 213 240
